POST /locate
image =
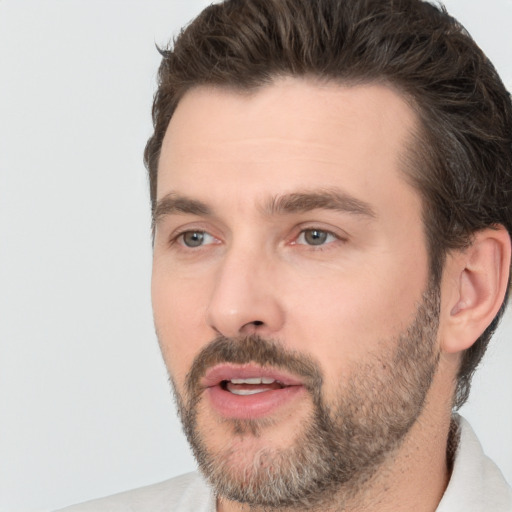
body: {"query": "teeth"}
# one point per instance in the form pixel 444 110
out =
pixel 253 380
pixel 246 392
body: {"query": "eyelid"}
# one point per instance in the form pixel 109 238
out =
pixel 174 236
pixel 208 239
pixel 328 233
pixel 337 233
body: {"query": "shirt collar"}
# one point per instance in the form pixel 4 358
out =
pixel 476 483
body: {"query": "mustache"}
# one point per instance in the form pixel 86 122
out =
pixel 252 349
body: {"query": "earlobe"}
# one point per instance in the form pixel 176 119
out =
pixel 475 283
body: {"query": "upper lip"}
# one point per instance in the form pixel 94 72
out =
pixel 224 372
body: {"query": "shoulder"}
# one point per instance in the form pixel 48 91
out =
pixel 183 493
pixel 476 483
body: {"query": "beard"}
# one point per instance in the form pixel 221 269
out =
pixel 343 442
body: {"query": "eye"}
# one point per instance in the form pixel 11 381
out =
pixel 315 237
pixel 195 238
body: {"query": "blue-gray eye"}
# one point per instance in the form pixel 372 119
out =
pixel 193 238
pixel 315 237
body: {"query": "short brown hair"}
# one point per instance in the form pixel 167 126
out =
pixel 462 158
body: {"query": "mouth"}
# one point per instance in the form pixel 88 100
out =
pixel 249 391
pixel 251 386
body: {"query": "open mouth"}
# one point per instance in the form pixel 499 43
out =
pixel 251 386
pixel 249 391
pixel 248 377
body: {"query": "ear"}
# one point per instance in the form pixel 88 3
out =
pixel 474 284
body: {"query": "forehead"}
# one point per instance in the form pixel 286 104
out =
pixel 295 133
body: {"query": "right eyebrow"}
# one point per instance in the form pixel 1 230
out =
pixel 175 203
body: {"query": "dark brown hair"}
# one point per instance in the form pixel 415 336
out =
pixel 460 161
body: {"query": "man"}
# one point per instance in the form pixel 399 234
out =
pixel 331 188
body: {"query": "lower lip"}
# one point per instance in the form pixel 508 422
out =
pixel 254 406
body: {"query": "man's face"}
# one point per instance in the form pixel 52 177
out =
pixel 290 283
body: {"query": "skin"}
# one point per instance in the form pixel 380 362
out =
pixel 257 273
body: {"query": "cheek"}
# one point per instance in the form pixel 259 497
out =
pixel 349 315
pixel 178 313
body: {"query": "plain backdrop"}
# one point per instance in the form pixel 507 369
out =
pixel 85 407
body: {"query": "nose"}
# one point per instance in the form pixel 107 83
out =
pixel 245 298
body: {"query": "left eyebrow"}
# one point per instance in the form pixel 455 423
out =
pixel 302 202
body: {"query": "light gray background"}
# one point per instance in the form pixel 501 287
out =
pixel 85 408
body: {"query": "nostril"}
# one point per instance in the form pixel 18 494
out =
pixel 252 327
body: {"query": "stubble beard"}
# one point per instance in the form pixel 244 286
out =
pixel 343 444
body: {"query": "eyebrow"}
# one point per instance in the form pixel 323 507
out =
pixel 175 203
pixel 297 202
pixel 325 199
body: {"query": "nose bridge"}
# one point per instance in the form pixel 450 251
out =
pixel 243 299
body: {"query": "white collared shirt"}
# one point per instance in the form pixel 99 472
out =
pixel 476 485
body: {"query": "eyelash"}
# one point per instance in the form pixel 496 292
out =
pixel 320 246
pixel 178 238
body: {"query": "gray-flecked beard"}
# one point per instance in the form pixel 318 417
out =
pixel 342 445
